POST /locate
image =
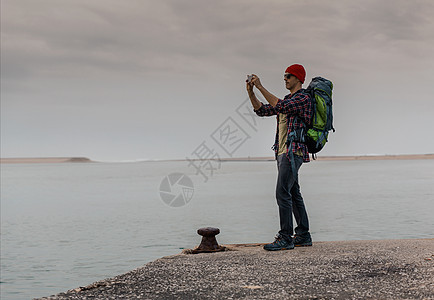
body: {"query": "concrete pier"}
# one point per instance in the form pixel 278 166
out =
pixel 377 269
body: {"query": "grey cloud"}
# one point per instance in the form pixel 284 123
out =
pixel 145 37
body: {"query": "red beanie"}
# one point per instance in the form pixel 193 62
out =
pixel 298 71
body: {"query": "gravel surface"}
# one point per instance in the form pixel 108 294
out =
pixel 378 269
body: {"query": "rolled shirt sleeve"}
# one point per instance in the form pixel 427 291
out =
pixel 266 110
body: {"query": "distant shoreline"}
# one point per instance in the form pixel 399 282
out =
pixel 33 160
pixel 342 157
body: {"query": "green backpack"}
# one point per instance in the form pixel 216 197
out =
pixel 316 134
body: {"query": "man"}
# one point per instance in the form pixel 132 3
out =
pixel 293 112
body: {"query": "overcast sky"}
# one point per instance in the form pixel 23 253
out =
pixel 126 80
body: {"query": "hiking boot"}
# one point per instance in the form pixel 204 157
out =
pixel 302 241
pixel 279 244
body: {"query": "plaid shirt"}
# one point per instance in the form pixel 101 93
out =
pixel 299 105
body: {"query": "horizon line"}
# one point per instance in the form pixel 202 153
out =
pixel 82 159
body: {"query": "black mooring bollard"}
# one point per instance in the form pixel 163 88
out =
pixel 209 242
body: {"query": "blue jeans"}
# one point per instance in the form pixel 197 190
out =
pixel 289 198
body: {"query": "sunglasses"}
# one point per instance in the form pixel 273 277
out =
pixel 287 76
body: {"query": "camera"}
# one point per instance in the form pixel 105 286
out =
pixel 249 78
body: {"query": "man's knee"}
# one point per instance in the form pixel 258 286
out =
pixel 284 200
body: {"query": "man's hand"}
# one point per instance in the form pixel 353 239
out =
pixel 256 81
pixel 267 95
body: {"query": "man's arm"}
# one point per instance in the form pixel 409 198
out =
pixel 255 102
pixel 262 110
pixel 267 95
pixel 295 105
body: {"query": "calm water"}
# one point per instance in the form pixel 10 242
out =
pixel 68 225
